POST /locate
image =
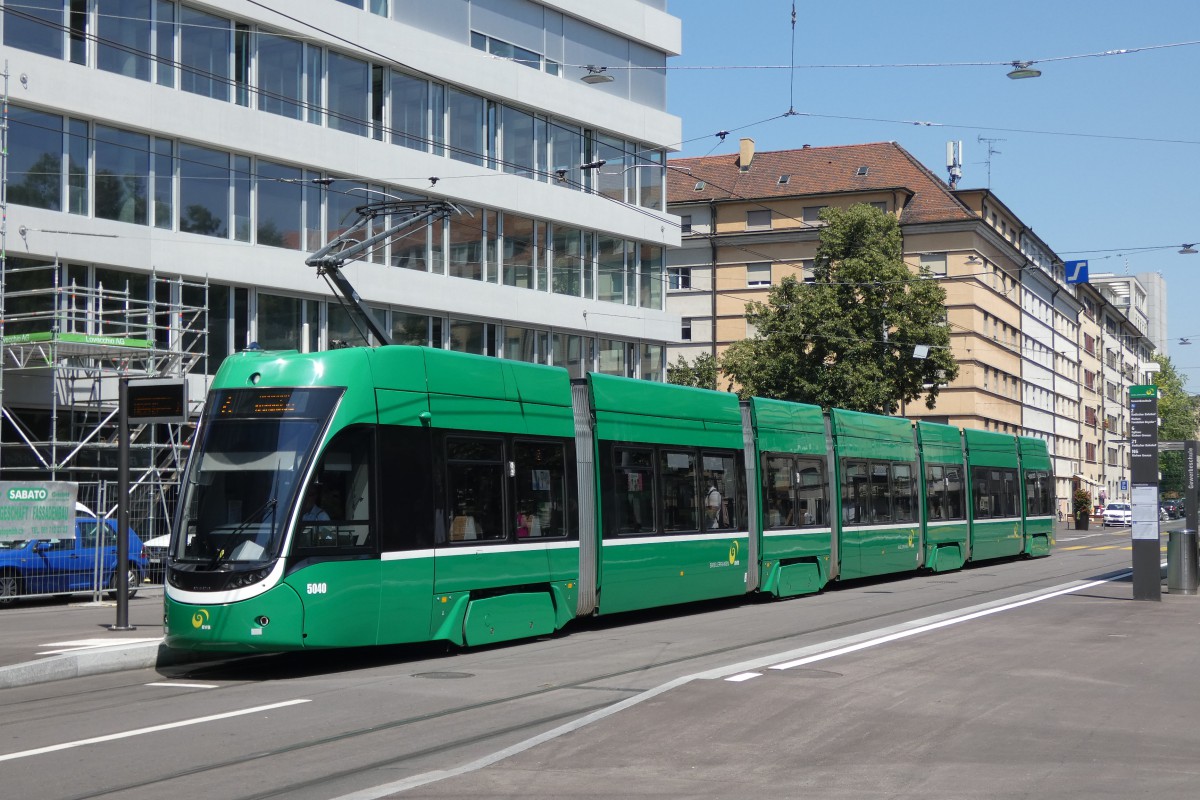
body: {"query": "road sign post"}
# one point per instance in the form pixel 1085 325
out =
pixel 1147 555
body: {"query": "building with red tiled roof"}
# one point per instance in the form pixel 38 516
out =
pixel 750 219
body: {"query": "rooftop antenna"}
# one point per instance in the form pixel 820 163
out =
pixel 991 151
pixel 954 162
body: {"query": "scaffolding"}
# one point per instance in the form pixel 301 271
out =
pixel 66 345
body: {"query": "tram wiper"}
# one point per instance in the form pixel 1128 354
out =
pixel 220 556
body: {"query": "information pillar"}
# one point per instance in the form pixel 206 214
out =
pixel 1143 437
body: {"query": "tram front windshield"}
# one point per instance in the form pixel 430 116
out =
pixel 244 476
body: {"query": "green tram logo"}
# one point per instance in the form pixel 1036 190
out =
pixel 200 620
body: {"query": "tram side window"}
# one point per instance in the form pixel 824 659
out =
pixel 881 495
pixel 1033 495
pixel 987 493
pixel 855 493
pixel 904 501
pixel 633 490
pixel 811 505
pixel 1007 480
pixel 944 491
pixel 1039 498
pixel 475 485
pixel 955 505
pixel 721 488
pixel 1047 484
pixel 336 506
pixel 541 490
pixel 778 473
pixel 935 492
pixel 680 510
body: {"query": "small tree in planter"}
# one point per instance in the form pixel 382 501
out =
pixel 1081 508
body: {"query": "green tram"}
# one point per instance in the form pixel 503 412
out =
pixel 401 494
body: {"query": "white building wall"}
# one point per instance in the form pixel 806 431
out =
pixel 626 32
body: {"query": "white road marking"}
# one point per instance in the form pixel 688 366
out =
pixel 186 685
pixel 54 748
pixel 932 626
pixel 743 676
pixel 825 650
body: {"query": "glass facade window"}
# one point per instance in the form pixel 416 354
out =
pixel 574 353
pixel 518 146
pixel 340 201
pixel 650 179
pixel 279 211
pixel 568 260
pixel 314 84
pixel 411 251
pixel 410 328
pixel 525 344
pixel 123 41
pixel 652 362
pixel 520 252
pixel 470 336
pixel 349 94
pixel 612 178
pixel 203 191
pixel 464 127
pixel 38 28
pixel 491 243
pixel 612 357
pixel 281 321
pixel 566 154
pixel 164 184
pixel 78 151
pixel 122 164
pixel 650 293
pixel 281 75
pixel 205 44
pixel 410 111
pixel 35 167
pixel 243 178
pixel 164 42
pixel 466 244
pixel 344 329
pixel 610 262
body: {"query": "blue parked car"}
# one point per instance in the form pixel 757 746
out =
pixel 62 566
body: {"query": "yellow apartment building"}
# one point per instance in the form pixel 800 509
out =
pixel 750 219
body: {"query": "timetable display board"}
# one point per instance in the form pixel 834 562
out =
pixel 156 400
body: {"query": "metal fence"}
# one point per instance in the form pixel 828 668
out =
pixel 87 564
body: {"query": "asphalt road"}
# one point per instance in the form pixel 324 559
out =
pixel 1013 679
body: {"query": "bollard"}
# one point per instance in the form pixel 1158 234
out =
pixel 1181 562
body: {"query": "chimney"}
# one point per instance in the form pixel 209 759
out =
pixel 745 154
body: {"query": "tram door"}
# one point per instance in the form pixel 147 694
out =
pixel 340 582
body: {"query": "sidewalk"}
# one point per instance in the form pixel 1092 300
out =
pixel 52 639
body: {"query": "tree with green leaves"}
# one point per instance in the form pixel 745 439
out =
pixel 702 372
pixel 1178 412
pixel 850 338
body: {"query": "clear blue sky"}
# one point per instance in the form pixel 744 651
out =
pixel 1077 162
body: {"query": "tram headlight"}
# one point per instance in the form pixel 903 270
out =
pixel 241 579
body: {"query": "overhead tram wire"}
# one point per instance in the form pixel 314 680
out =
pixel 301 104
pixel 233 84
pixel 901 65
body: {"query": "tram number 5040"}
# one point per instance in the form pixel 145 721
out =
pixel 318 588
